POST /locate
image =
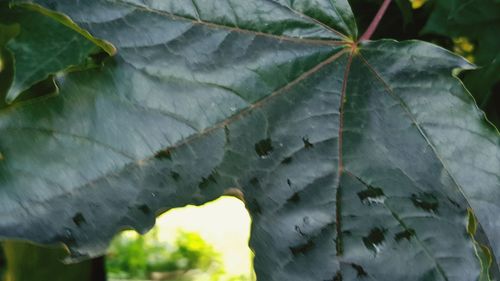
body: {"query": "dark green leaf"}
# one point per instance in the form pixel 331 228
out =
pixel 355 162
pixel 47 43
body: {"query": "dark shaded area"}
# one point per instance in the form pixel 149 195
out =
pixel 3 263
pixel 400 22
pixel 28 262
pixel 492 107
pixel 6 74
pixel 98 272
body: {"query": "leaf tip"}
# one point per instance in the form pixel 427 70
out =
pixel 471 222
pixel 12 94
pixel 109 48
pixel 463 66
pixel 64 19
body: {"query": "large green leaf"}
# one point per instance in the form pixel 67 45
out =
pixel 355 161
pixel 45 43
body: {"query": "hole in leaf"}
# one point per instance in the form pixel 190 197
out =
pixel 406 234
pixel 175 176
pixel 374 239
pixel 205 182
pixel 144 208
pixel 264 148
pixel 289 182
pixel 425 201
pixel 307 143
pixel 371 195
pixel 297 228
pixel 254 181
pixel 208 242
pixel 164 154
pixel 79 219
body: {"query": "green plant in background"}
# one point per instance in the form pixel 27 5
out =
pixel 128 258
pixel 240 278
pixel 137 257
pixel 192 252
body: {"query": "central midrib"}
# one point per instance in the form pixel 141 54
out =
pixel 340 168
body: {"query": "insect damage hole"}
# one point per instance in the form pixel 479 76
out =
pixel 264 147
pixel 216 233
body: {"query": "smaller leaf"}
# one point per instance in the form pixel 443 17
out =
pixel 43 43
pixel 65 20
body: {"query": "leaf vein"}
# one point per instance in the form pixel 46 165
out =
pixel 403 224
pixel 236 29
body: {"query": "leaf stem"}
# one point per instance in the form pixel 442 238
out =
pixel 376 20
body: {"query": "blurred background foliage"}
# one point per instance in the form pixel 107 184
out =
pixel 468 27
pixel 189 258
pixel 170 253
pixel 3 263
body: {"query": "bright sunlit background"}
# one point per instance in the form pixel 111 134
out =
pixel 208 242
